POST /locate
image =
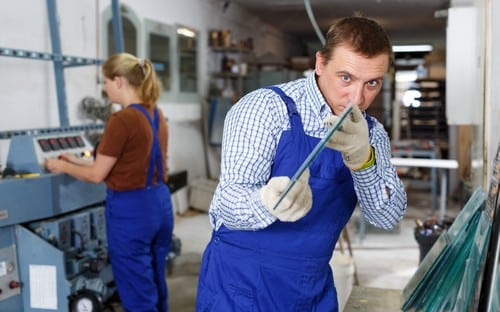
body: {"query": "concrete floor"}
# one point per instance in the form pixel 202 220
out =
pixel 382 260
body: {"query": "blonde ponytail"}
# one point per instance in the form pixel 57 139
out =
pixel 140 74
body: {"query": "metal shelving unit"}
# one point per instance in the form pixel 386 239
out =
pixel 225 58
pixel 419 177
pixel 429 119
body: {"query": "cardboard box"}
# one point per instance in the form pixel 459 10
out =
pixel 301 62
pixel 436 71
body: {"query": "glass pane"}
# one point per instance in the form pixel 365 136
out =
pixel 187 48
pixel 160 56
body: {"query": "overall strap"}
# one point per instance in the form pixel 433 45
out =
pixel 293 113
pixel 290 103
pixel 369 120
pixel 156 149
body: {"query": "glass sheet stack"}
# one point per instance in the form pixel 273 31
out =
pixel 447 277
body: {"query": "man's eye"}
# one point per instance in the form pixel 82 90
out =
pixel 345 78
pixel 372 83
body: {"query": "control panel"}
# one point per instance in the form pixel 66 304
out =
pixel 27 153
pixel 53 146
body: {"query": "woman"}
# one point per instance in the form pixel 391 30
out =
pixel 131 160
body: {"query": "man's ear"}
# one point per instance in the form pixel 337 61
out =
pixel 319 63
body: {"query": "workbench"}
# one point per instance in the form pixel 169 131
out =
pixel 419 149
pixel 443 164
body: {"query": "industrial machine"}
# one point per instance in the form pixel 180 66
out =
pixel 53 253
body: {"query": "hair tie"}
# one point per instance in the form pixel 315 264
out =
pixel 141 64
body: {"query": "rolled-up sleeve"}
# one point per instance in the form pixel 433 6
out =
pixel 381 194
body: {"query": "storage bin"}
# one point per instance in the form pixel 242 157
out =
pixel 201 193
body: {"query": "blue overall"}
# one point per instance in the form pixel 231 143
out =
pixel 139 226
pixel 284 267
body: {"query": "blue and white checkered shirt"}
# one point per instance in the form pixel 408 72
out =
pixel 252 130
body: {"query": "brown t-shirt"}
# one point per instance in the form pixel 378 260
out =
pixel 128 136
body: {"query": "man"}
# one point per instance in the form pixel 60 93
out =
pixel 265 259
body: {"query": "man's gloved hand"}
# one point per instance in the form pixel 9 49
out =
pixel 295 204
pixel 351 138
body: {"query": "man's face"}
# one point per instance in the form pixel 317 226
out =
pixel 350 78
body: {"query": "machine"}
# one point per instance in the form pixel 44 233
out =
pixel 53 253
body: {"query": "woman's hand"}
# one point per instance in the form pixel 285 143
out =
pixel 72 158
pixel 55 165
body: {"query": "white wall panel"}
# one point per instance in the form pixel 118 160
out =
pixel 464 67
pixel 492 114
pixel 27 87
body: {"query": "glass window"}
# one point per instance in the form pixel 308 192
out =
pixel 159 47
pixel 129 36
pixel 188 66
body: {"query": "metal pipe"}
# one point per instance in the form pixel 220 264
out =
pixel 58 63
pixel 117 26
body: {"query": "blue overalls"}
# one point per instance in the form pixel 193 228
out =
pixel 284 267
pixel 139 225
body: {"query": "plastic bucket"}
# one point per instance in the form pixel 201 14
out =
pixel 425 239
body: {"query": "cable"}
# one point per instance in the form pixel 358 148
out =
pixel 80 235
pixel 225 5
pixel 310 14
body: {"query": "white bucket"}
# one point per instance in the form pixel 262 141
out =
pixel 343 274
pixel 201 193
pixel 180 201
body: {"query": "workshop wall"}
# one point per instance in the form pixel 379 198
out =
pixel 492 94
pixel 27 87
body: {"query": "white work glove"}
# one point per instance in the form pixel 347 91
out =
pixel 296 203
pixel 351 138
